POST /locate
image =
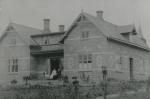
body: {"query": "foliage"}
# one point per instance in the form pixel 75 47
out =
pixel 13 82
pixel 72 90
pixel 26 79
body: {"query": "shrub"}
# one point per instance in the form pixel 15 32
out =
pixel 26 79
pixel 13 82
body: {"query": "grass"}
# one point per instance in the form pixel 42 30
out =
pixel 68 91
pixel 137 95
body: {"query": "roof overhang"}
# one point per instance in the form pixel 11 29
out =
pixel 128 33
pixel 128 43
pixel 47 52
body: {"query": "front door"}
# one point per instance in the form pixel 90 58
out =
pixel 55 65
pixel 131 68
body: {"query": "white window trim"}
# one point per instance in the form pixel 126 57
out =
pixel 85 35
pixel 85 65
pixel 13 66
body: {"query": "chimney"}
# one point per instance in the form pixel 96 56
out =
pixel 99 14
pixel 46 26
pixel 61 28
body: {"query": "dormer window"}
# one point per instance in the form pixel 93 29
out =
pixel 46 41
pixel 85 34
pixel 134 31
pixel 126 35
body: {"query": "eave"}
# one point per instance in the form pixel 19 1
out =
pixel 47 52
pixel 128 33
pixel 128 43
pixel 47 49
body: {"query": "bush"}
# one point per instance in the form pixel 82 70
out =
pixel 69 91
pixel 26 79
pixel 13 82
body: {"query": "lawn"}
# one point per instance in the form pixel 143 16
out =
pixel 69 91
pixel 137 95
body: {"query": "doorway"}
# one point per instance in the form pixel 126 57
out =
pixel 55 66
pixel 131 68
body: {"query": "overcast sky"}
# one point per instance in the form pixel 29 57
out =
pixel 32 12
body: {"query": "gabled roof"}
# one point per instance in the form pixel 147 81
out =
pixel 108 29
pixel 24 31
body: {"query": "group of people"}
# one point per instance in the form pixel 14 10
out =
pixel 54 74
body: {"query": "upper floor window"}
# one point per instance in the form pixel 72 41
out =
pixel 46 41
pixel 85 34
pixel 120 60
pixel 85 61
pixel 13 65
pixel 85 58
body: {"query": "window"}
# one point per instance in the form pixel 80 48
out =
pixel 85 61
pixel 85 34
pixel 131 67
pixel 46 41
pixel 89 58
pixel 120 60
pixel 13 65
pixel 85 58
pixel 80 58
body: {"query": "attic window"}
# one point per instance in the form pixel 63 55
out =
pixel 46 42
pixel 85 34
pixel 134 31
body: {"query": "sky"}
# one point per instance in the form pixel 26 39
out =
pixel 32 12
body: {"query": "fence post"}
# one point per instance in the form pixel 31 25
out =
pixel 104 72
pixel 76 87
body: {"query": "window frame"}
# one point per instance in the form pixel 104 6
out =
pixel 85 34
pixel 85 62
pixel 13 66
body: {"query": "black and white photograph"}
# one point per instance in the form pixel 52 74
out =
pixel 74 49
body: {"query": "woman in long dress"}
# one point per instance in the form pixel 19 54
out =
pixel 54 73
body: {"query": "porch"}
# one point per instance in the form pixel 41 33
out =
pixel 46 61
